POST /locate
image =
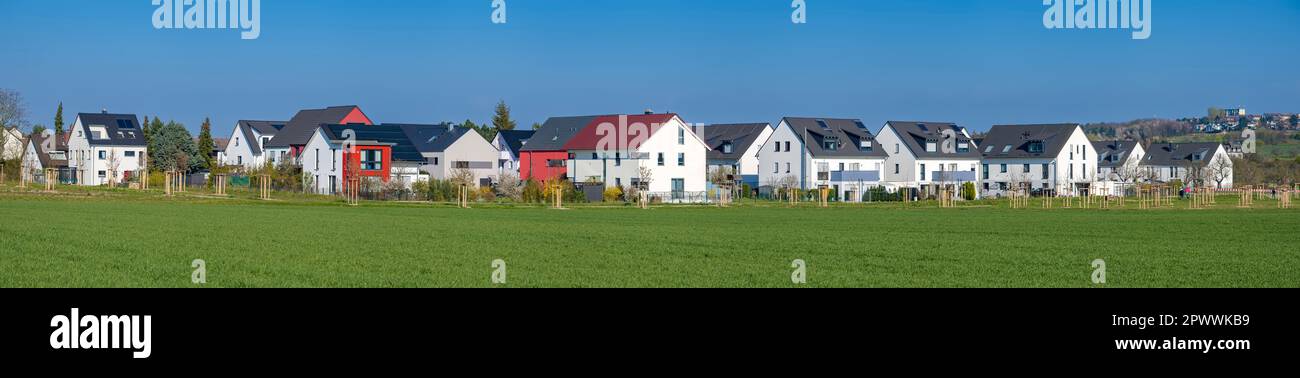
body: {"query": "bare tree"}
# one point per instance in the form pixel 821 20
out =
pixel 1220 170
pixel 113 164
pixel 462 176
pixel 510 186
pixel 645 176
pixel 12 112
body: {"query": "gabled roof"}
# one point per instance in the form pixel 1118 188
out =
pixel 1013 141
pixel 514 139
pixel 589 138
pixel 299 129
pixel 1182 154
pixel 266 128
pixel 387 135
pixel 1112 153
pixel 121 129
pixel 916 135
pixel 556 132
pixel 849 132
pixel 37 141
pixel 741 136
pixel 433 138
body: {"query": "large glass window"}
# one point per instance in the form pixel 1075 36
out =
pixel 372 160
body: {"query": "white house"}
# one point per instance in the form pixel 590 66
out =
pixel 510 142
pixel 736 147
pixel 248 141
pixel 1056 159
pixel 44 152
pixel 615 149
pixel 291 139
pixel 12 141
pixel 1118 164
pixel 106 148
pixel 448 150
pixel 928 155
pixel 1193 164
pixel 396 152
pixel 810 153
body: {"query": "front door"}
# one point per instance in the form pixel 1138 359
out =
pixel 679 189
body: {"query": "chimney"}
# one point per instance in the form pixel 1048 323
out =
pixel 103 110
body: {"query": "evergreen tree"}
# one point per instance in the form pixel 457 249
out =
pixel 170 141
pixel 537 126
pixel 58 120
pixel 502 119
pixel 206 145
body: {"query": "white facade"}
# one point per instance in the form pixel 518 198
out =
pixel 785 161
pixel 1070 173
pixel 675 157
pixel 1217 173
pixel 902 168
pixel 748 163
pixel 470 152
pixel 13 143
pixel 508 161
pixel 101 164
pixel 1125 171
pixel 239 151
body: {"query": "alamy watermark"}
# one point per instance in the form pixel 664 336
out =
pixel 799 15
pixel 498 11
pixel 1098 272
pixel 245 15
pixel 1100 14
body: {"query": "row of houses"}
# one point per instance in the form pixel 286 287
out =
pixel 663 154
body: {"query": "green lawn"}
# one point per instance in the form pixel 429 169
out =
pixel 127 239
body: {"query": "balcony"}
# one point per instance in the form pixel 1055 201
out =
pixel 855 176
pixel 953 176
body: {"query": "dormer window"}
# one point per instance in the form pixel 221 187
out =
pixel 726 147
pixel 865 145
pixel 963 147
pixel 931 146
pixel 1035 147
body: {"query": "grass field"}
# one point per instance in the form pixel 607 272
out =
pixel 126 239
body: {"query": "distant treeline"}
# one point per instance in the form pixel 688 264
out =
pixel 1144 130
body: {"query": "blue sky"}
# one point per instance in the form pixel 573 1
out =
pixel 974 62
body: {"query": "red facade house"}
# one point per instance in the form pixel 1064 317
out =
pixel 368 161
pixel 543 157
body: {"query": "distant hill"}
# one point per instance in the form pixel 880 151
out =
pixel 1144 130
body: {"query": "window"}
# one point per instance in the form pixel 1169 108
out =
pixel 239 160
pixel 1004 168
pixel 1071 171
pixel 618 182
pixel 963 147
pixel 726 147
pixel 103 155
pixel 1046 172
pixel 1035 147
pixel 986 175
pixel 334 162
pixel 681 160
pixel 661 159
pixel 1006 149
pixel 460 164
pixel 922 172
pixel 895 148
pixel 265 141
pixel 594 157
pixel 236 141
pixel 787 167
pixel 618 159
pixel 778 146
pixel 896 166
pixel 930 146
pixel 681 136
pixel 855 167
pixel 129 153
pixel 1026 168
pixel 841 167
pixel 988 149
pixel 573 156
pixel 102 174
pixel 318 162
pixel 787 146
pixel 372 160
pixel 777 169
pixel 865 145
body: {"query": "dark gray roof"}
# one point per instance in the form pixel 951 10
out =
pixel 391 135
pixel 515 139
pixel 1110 153
pixel 1182 154
pixel 37 141
pixel 266 128
pixel 1013 141
pixel 916 135
pixel 299 129
pixel 123 129
pixel 740 135
pixel 556 132
pixel 433 138
pixel 849 132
